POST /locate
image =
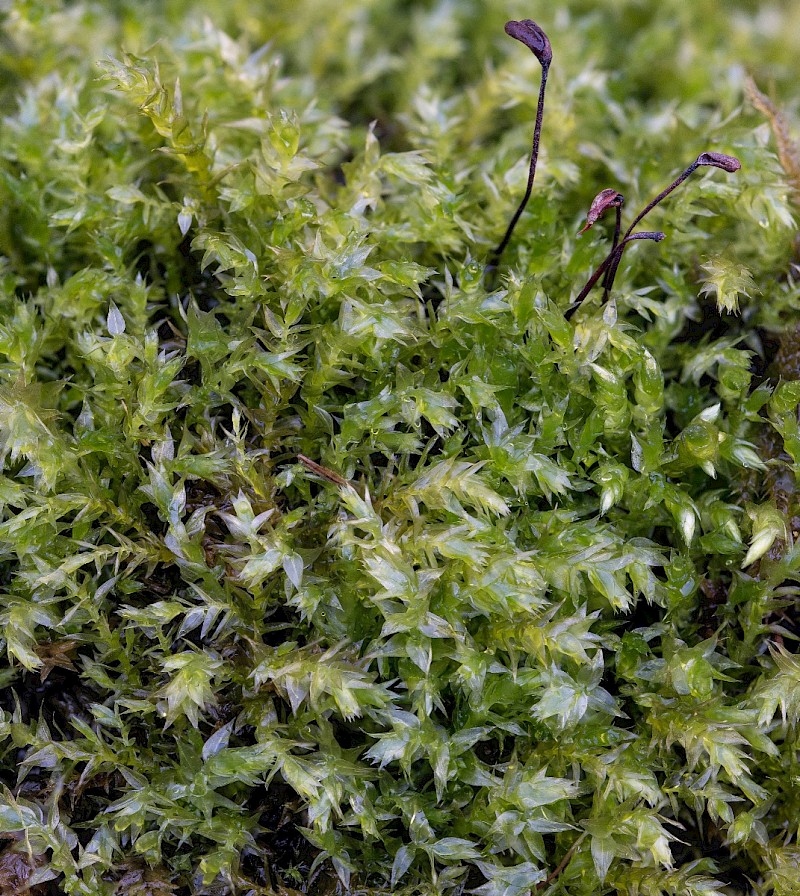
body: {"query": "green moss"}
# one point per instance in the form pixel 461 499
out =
pixel 320 554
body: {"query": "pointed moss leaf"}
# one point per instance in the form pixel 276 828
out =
pixel 402 862
pixel 778 688
pixel 552 478
pixel 259 567
pixel 509 880
pixel 293 567
pixel 453 849
pixel 412 167
pixel 248 765
pixel 637 455
pixel 184 221
pixel 218 741
pixel 541 789
pixel 189 690
pixel 450 482
pixel 603 853
pixel 16 817
pixel 115 321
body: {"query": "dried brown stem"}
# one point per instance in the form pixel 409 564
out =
pixel 324 472
pixel 561 865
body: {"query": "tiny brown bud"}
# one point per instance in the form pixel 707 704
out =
pixel 530 34
pixel 601 203
pixel 719 160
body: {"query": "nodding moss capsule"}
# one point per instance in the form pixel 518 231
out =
pixel 530 34
pixel 604 199
pixel 527 32
pixel 601 203
pixel 719 160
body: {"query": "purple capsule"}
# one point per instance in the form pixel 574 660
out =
pixel 601 203
pixel 530 34
pixel 719 160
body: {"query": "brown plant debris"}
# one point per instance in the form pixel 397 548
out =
pixel 788 149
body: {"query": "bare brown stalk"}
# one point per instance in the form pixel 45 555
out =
pixel 324 472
